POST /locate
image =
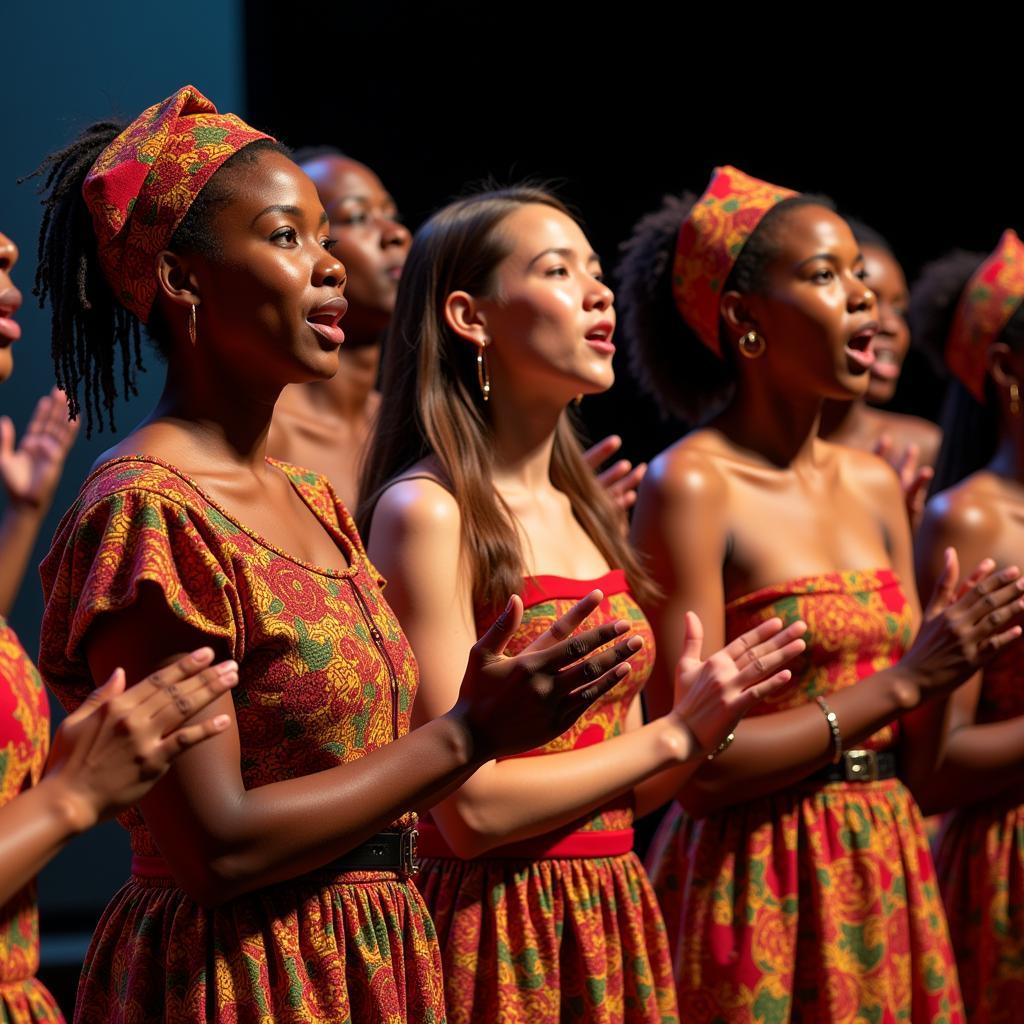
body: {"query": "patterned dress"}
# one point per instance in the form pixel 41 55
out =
pixel 818 902
pixel 24 742
pixel 564 927
pixel 980 862
pixel 326 676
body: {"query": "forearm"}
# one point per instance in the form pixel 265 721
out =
pixel 774 751
pixel 34 827
pixel 273 833
pixel 517 799
pixel 980 762
pixel 19 528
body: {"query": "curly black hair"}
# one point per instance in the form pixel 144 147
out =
pixel 91 331
pixel 970 429
pixel 671 363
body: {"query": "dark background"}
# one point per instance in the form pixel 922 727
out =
pixel 914 130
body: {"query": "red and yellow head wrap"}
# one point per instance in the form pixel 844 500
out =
pixel 992 295
pixel 710 241
pixel 141 186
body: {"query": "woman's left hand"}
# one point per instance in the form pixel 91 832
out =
pixel 31 471
pixel 713 694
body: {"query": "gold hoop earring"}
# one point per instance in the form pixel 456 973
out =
pixel 192 325
pixel 752 345
pixel 482 375
pixel 1014 399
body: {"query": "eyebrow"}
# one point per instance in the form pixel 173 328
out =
pixel 564 253
pixel 293 211
pixel 831 257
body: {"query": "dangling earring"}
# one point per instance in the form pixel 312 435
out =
pixel 577 401
pixel 1014 399
pixel 752 345
pixel 192 325
pixel 482 375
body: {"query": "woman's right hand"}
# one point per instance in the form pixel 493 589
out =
pixel 512 704
pixel 111 750
pixel 964 626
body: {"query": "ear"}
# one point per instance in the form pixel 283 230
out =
pixel 176 280
pixel 735 311
pixel 1001 365
pixel 464 316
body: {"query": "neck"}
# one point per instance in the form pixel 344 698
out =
pixel 347 394
pixel 524 438
pixel 227 421
pixel 781 428
pixel 840 420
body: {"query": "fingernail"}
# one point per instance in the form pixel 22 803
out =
pixel 220 721
pixel 624 669
pixel 227 667
pixel 634 643
pixel 621 626
pixel 202 653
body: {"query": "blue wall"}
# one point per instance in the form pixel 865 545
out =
pixel 74 63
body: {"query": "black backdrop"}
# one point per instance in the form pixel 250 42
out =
pixel 912 133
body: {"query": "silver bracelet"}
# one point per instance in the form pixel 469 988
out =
pixel 833 724
pixel 723 746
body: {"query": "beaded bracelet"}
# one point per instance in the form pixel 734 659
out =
pixel 724 745
pixel 833 724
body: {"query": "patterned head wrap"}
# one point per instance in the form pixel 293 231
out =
pixel 711 240
pixel 991 297
pixel 141 186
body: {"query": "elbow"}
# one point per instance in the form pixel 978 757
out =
pixel 467 828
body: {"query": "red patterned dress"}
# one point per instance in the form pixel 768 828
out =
pixel 24 743
pixel 980 862
pixel 326 676
pixel 818 902
pixel 563 927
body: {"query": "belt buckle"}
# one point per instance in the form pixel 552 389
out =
pixel 860 765
pixel 408 861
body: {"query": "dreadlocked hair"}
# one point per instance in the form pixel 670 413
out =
pixel 671 363
pixel 91 332
pixel 970 429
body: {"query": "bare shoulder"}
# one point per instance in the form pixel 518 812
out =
pixel 417 503
pixel 965 516
pixel 690 472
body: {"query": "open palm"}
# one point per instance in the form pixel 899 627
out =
pixel 31 470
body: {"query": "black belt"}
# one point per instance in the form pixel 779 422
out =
pixel 859 766
pixel 386 851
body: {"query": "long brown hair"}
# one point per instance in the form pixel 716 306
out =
pixel 432 403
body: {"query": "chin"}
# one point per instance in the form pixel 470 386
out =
pixel 881 392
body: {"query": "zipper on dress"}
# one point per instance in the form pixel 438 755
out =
pixel 378 639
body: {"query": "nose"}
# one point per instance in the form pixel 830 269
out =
pixel 329 271
pixel 599 296
pixel 394 232
pixel 8 253
pixel 859 295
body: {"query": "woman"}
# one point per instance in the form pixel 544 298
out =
pixel 105 755
pixel 542 910
pixel 968 312
pixel 799 883
pixel 909 442
pixel 270 877
pixel 326 425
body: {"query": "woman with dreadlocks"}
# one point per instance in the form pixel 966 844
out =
pixel 270 879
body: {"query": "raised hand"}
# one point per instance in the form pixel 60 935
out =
pixel 31 470
pixel 621 479
pixel 513 704
pixel 965 625
pixel 110 751
pixel 914 479
pixel 712 695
